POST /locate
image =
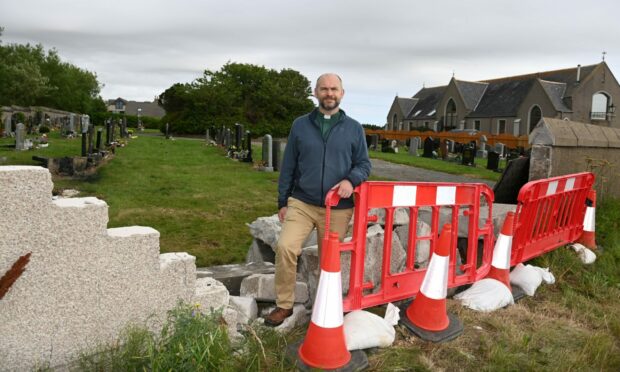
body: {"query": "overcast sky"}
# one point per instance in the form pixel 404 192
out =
pixel 139 48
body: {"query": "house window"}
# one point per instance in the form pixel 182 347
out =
pixel 501 126
pixel 477 124
pixel 516 127
pixel 599 106
pixel 426 124
pixel 119 105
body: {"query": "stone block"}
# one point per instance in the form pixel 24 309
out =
pixel 597 135
pixel 232 275
pixel 262 288
pixel 401 216
pixel 246 308
pixel 266 229
pixel 210 294
pixel 612 135
pixel 231 317
pixel 553 132
pixel 422 248
pixel 260 252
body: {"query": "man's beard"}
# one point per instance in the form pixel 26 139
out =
pixel 326 107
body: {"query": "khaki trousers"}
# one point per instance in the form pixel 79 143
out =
pixel 299 221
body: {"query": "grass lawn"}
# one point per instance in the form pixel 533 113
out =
pixel 479 171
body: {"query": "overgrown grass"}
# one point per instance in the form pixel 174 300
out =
pixel 479 171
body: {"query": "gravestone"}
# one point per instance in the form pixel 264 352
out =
pixel 99 133
pixel 167 130
pixel 429 147
pixel 227 138
pixel 374 142
pixel 482 151
pixel 451 146
pixel 267 151
pixel 91 138
pixel 238 136
pixel 443 150
pixel 277 153
pixel 469 154
pixel 414 144
pixel 108 133
pixel 248 147
pixel 84 139
pixel 207 137
pixel 394 145
pixel 386 146
pixel 493 160
pixel 85 123
pixel 516 174
pixel 7 126
pixel 20 137
pixel 500 149
pixel 71 129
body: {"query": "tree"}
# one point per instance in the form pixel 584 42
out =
pixel 264 100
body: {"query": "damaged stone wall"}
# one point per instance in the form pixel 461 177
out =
pixel 84 283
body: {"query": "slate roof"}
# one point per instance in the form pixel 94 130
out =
pixel 427 102
pixel 555 91
pixel 148 109
pixel 406 104
pixel 502 98
pixel 471 92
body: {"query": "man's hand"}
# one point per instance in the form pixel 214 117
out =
pixel 282 213
pixel 345 188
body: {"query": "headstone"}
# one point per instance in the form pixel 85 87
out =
pixel 71 129
pixel 84 136
pixel 429 147
pixel 248 147
pixel 227 138
pixel 99 133
pixel 413 146
pixel 394 145
pixel 113 131
pixel 20 137
pixel 469 154
pixel 493 160
pixel 516 174
pixel 443 150
pixel 267 152
pixel 238 136
pixel 451 146
pixel 482 151
pixel 108 133
pixel 500 148
pixel 167 130
pixel 91 135
pixel 7 126
pixel 374 141
pixel 207 137
pixel 386 146
pixel 277 153
pixel 85 122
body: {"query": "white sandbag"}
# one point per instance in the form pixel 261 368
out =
pixel 530 277
pixel 486 295
pixel 585 254
pixel 363 330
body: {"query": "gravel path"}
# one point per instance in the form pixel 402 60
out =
pixel 399 172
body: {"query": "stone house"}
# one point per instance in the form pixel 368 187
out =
pixel 512 105
pixel 123 106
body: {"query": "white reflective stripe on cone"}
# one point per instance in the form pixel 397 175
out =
pixel 327 310
pixel 435 284
pixel 588 220
pixel 404 196
pixel 501 252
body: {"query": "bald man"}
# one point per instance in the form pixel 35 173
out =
pixel 326 149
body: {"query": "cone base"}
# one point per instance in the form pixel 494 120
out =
pixel 588 240
pixel 358 362
pixel 500 275
pixel 454 329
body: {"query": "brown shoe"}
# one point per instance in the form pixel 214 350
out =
pixel 277 316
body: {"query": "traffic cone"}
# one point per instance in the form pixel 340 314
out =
pixel 324 346
pixel 587 238
pixel 426 317
pixel 500 265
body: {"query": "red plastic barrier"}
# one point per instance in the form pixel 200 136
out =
pixel 549 214
pixel 460 199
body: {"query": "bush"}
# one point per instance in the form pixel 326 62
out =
pixel 44 129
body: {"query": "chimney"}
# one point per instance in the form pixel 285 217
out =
pixel 578 73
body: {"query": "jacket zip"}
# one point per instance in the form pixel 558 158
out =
pixel 322 202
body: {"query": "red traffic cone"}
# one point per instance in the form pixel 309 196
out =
pixel 500 265
pixel 426 317
pixel 587 238
pixel 324 346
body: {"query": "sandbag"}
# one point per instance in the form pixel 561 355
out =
pixel 585 255
pixel 363 330
pixel 530 277
pixel 486 295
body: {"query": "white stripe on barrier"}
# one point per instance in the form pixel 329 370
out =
pixel 446 195
pixel 552 187
pixel 501 252
pixel 570 184
pixel 327 309
pixel 589 220
pixel 404 196
pixel 435 284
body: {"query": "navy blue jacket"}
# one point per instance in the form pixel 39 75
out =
pixel 313 165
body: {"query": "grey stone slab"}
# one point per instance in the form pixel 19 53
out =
pixel 211 294
pixel 262 288
pixel 597 135
pixel 612 135
pixel 584 137
pixel 232 275
pixel 246 308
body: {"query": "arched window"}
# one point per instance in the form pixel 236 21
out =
pixel 600 102
pixel 451 116
pixel 395 122
pixel 534 117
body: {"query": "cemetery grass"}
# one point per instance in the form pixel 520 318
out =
pixel 479 171
pixel 199 200
pixel 58 147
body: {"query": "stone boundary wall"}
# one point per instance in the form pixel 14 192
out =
pixel 84 283
pixel 562 147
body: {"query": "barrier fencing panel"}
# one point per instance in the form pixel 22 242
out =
pixel 549 214
pixel 459 203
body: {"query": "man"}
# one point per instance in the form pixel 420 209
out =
pixel 326 149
